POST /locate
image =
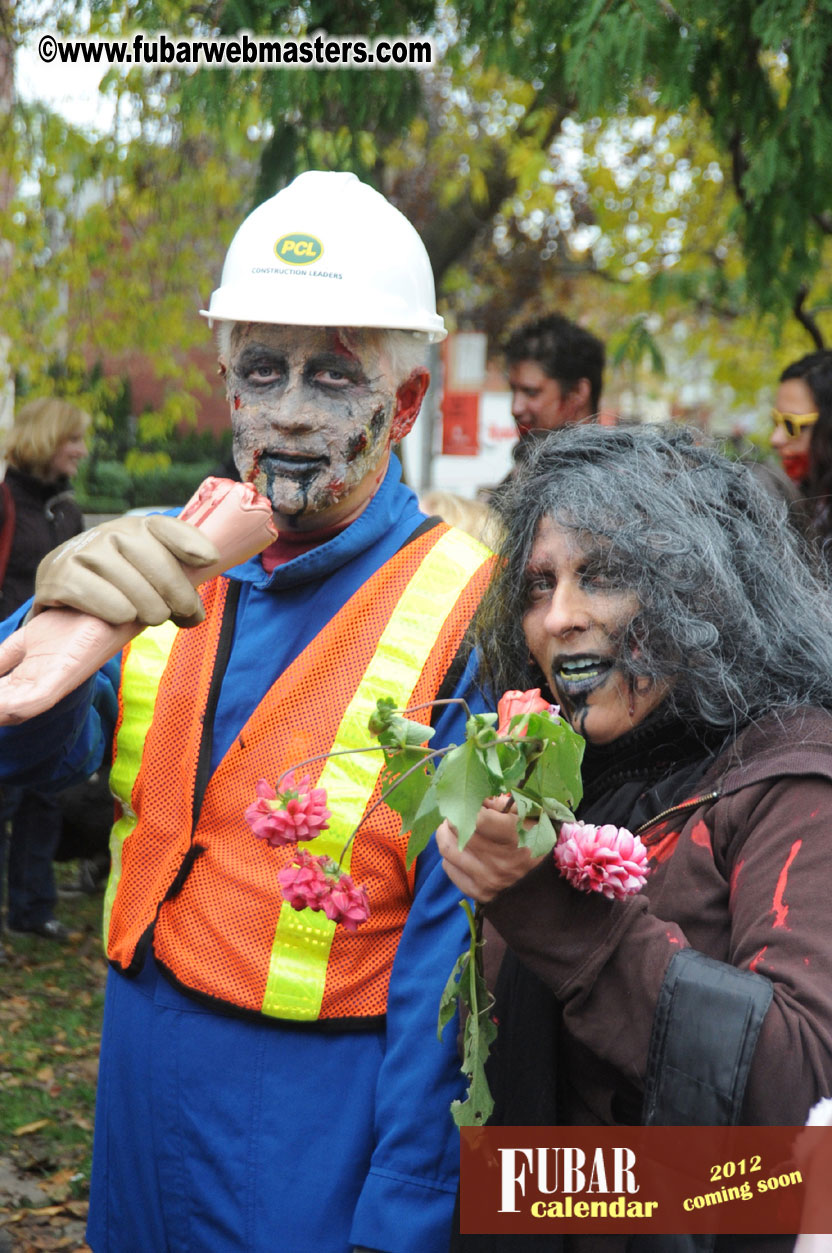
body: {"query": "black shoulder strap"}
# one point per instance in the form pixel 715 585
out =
pixel 705 1030
pixel 427 524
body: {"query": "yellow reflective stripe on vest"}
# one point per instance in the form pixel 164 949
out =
pixel 141 673
pixel 303 938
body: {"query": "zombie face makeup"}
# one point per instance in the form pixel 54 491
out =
pixel 313 411
pixel 573 623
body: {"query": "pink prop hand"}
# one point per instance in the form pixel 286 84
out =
pixel 60 648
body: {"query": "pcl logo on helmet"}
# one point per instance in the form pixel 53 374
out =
pixel 298 249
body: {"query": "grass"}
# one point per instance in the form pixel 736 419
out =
pixel 50 1031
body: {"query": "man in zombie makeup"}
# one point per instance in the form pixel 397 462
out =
pixel 270 1079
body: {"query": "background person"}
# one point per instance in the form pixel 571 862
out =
pixel 802 436
pixel 658 592
pixel 37 512
pixel 266 1078
pixel 555 372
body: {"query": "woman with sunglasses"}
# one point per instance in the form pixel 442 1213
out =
pixel 803 436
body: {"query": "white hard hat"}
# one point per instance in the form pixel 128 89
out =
pixel 328 251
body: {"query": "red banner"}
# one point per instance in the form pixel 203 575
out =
pixel 679 1180
pixel 460 424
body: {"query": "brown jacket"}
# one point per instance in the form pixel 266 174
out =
pixel 741 873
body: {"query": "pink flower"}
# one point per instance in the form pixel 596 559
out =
pixel 294 812
pixel 317 883
pixel 513 702
pixel 607 859
pixel 304 884
pixel 347 903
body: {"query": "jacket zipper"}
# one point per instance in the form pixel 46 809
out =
pixel 680 808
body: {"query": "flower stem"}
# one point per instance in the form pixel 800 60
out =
pixel 434 704
pixel 338 752
pixel 436 752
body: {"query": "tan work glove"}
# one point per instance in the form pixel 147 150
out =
pixel 128 571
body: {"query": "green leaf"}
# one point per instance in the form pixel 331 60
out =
pixel 394 731
pixel 405 779
pixel 407 797
pixel 557 771
pixel 490 757
pixel 478 1036
pixel 476 1109
pixel 539 839
pixel 478 724
pixel 379 719
pixel 525 805
pixel 461 784
pixel 449 1002
pixel 513 765
pixel 544 725
pixel 401 732
pixel 555 809
pixel 425 822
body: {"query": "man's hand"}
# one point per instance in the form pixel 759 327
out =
pixel 128 570
pixel 491 860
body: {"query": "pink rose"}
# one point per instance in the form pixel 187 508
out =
pixel 513 703
pixel 607 859
pixel 293 812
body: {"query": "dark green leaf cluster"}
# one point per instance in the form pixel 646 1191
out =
pixel 467 990
pixel 537 764
pixel 759 71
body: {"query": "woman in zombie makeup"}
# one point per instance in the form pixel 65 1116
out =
pixel 658 592
pixel 802 437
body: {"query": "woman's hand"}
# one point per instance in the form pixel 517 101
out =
pixel 491 860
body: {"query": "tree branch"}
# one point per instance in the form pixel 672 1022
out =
pixel 805 318
pixel 450 234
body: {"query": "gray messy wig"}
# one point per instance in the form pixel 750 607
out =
pixel 730 611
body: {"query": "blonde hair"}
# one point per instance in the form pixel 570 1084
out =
pixel 40 428
pixel 472 516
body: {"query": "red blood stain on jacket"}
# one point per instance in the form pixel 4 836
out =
pixel 778 908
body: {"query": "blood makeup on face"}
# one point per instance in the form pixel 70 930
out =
pixel 311 414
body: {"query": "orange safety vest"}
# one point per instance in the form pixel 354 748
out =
pixel 206 892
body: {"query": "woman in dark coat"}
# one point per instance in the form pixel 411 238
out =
pixel 658 593
pixel 38 511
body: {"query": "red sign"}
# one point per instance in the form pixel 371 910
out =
pixel 547 1180
pixel 460 424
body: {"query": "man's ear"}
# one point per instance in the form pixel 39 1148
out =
pixel 409 397
pixel 579 396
